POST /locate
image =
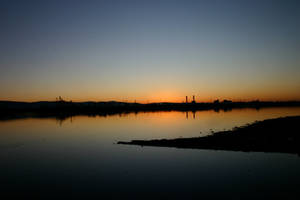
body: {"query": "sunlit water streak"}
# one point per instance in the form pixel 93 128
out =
pixel 78 156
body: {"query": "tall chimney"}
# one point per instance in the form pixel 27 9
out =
pixel 186 99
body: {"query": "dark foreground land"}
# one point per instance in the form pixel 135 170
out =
pixel 272 135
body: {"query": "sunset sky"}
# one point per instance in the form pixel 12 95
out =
pixel 149 51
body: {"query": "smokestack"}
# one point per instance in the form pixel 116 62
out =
pixel 186 99
pixel 193 99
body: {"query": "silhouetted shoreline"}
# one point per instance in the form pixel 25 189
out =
pixel 75 108
pixel 61 110
pixel 271 135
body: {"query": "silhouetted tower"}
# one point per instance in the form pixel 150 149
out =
pixel 193 99
pixel 186 99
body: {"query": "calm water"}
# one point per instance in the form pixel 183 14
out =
pixel 78 158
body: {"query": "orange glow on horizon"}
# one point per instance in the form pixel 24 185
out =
pixel 162 97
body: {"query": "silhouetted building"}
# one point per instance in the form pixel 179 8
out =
pixel 227 101
pixel 186 99
pixel 193 99
pixel 216 101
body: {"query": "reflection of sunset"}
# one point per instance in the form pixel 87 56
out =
pixel 79 77
pixel 149 123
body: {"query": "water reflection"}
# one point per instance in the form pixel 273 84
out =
pixel 75 156
pixel 263 112
pixel 128 126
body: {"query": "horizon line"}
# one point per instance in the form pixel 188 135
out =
pixel 153 102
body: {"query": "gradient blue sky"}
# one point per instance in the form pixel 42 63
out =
pixel 149 50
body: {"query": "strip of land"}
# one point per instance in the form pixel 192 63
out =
pixel 271 135
pixel 61 110
pixel 70 108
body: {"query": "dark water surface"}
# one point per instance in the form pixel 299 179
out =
pixel 78 159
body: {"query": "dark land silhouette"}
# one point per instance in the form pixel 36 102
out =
pixel 77 108
pixel 271 135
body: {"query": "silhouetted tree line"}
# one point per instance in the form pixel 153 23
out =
pixel 69 107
